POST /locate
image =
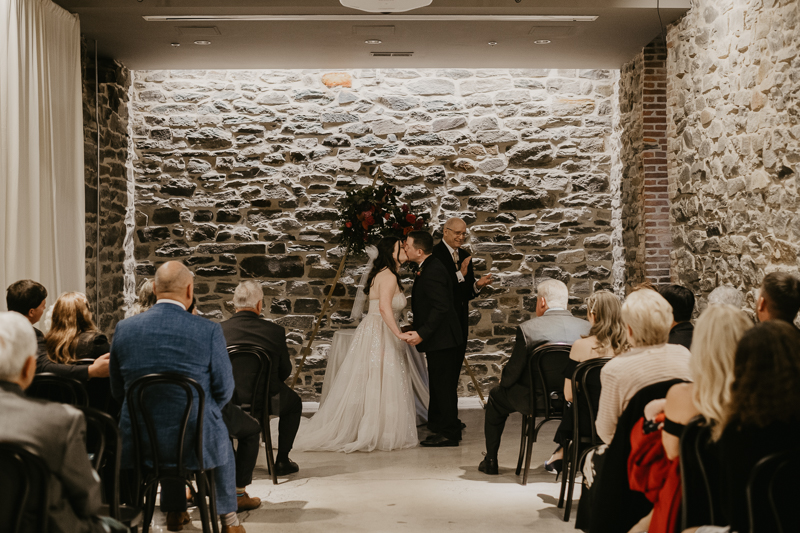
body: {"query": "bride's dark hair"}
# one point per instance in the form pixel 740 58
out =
pixel 385 259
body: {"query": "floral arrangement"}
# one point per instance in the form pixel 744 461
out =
pixel 374 212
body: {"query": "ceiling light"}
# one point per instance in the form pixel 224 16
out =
pixel 385 6
pixel 175 44
pixel 492 43
pixel 202 43
pixel 541 41
pixel 373 41
pixel 391 17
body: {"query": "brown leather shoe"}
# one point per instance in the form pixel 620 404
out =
pixel 233 529
pixel 176 520
pixel 247 503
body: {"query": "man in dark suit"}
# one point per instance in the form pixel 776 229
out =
pixel 54 432
pixel 29 299
pixel 247 327
pixel 167 338
pixel 462 275
pixel 682 301
pixel 437 332
pixel 553 323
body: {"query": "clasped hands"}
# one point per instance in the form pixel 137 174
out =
pixel 410 336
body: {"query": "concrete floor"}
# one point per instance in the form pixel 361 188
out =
pixel 418 489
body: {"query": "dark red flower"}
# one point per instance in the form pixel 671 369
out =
pixel 411 218
pixel 370 220
pixel 348 224
pixel 387 216
pixel 405 208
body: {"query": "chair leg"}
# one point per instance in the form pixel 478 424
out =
pixel 202 503
pixel 269 451
pixel 522 444
pixel 212 498
pixel 148 504
pixel 572 475
pixel 566 465
pixel 529 452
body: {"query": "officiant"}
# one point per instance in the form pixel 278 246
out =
pixel 459 263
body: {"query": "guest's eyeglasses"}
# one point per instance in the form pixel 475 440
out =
pixel 458 233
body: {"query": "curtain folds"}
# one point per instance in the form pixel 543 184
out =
pixel 42 235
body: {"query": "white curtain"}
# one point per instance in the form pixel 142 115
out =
pixel 42 234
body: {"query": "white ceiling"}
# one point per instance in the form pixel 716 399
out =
pixel 621 29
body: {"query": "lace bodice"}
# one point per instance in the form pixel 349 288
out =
pixel 398 304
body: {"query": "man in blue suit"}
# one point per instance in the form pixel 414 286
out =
pixel 168 339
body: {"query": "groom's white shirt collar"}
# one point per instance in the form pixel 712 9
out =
pixel 173 302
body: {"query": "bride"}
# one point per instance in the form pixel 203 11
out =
pixel 371 403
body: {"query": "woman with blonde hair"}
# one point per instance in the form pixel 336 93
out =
pixel 607 338
pixel 73 336
pixel 145 299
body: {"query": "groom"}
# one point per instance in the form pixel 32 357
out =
pixel 437 332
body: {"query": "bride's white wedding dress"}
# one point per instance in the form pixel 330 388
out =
pixel 371 404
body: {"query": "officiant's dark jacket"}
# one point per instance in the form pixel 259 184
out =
pixel 462 292
pixel 246 327
pixel 435 319
pixel 555 325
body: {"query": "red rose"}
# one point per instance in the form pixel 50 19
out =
pixel 405 208
pixel 370 220
pixel 418 223
pixel 365 225
pixel 348 224
pixel 407 230
pixel 387 216
pixel 411 218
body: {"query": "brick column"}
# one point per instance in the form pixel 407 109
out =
pixel 654 156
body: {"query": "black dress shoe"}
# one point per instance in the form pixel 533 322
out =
pixel 432 436
pixel 439 441
pixel 284 468
pixel 489 466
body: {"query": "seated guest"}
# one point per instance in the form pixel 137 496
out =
pixel 713 349
pixel 606 338
pixel 726 294
pixel 168 339
pixel 553 323
pixel 682 301
pixel 145 299
pixel 246 327
pixel 648 319
pixel 72 336
pixel 762 418
pixel 53 431
pixel 29 299
pixel 778 297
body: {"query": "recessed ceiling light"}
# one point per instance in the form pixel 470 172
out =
pixel 492 43
pixel 373 41
pixel 541 41
pixel 175 44
pixel 202 43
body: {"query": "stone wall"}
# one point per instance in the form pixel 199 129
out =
pixel 114 81
pixel 239 174
pixel 734 81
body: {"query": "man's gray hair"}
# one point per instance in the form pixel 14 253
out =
pixel 247 295
pixel 554 292
pixel 17 343
pixel 726 294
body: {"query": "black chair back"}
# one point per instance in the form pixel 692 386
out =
pixel 103 444
pixel 146 445
pixel 55 388
pixel 772 493
pixel 23 490
pixel 586 388
pixel 546 367
pixel 252 370
pixel 700 490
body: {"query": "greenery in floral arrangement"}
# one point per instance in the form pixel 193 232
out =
pixel 374 212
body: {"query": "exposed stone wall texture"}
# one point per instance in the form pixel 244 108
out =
pixel 734 81
pixel 114 81
pixel 240 174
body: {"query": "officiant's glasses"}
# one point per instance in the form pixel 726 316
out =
pixel 462 234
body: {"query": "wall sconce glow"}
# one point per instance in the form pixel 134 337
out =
pixel 541 41
pixel 202 43
pixel 492 43
pixel 373 41
pixel 385 6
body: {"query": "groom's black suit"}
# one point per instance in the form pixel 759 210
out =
pixel 437 323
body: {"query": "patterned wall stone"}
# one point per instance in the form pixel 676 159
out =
pixel 734 143
pixel 241 173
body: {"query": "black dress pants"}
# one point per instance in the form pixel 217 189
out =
pixel 290 412
pixel 444 371
pixel 502 402
pixel 246 430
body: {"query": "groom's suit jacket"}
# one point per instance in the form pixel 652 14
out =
pixel 435 318
pixel 464 291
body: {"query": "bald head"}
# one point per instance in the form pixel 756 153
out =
pixel 455 232
pixel 174 282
